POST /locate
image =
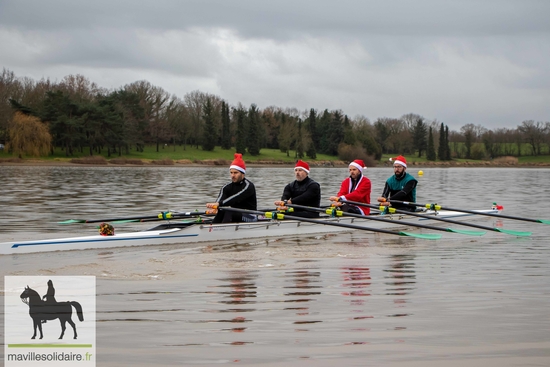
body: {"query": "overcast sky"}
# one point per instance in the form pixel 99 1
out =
pixel 485 62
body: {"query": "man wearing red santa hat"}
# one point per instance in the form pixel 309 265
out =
pixel 356 187
pixel 302 191
pixel 239 193
pixel 401 186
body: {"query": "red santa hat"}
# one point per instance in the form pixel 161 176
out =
pixel 399 160
pixel 303 165
pixel 359 164
pixel 238 163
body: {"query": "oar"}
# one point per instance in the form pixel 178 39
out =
pixel 160 216
pixel 503 216
pixel 433 217
pixel 338 213
pixel 280 216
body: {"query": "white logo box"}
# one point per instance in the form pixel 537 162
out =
pixel 21 350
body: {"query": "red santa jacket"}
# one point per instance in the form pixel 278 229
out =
pixel 361 193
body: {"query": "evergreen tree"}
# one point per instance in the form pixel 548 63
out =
pixel 323 131
pixel 335 133
pixel 419 136
pixel 382 133
pixel 253 130
pixel 299 141
pixel 469 136
pixel 270 124
pixel 26 110
pixel 209 132
pixel 312 127
pixel 310 151
pixel 447 145
pixel 430 152
pixel 442 150
pixel 240 139
pixel 133 116
pixel 226 129
pixel 108 123
pixel 63 116
pixel 349 134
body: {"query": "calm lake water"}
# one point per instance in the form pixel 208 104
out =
pixel 352 299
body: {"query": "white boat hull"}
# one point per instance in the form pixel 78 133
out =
pixel 200 233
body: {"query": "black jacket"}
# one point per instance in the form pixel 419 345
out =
pixel 306 192
pixel 241 195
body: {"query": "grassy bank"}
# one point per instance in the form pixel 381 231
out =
pixel 169 154
pixel 178 154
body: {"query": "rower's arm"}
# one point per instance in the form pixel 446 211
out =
pixel 403 194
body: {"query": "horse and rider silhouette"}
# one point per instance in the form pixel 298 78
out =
pixel 47 308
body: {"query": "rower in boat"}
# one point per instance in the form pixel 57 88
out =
pixel 302 191
pixel 401 186
pixel 239 193
pixel 356 187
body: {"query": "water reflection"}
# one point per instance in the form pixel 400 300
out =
pixel 358 279
pixel 303 289
pixel 242 290
pixel 401 280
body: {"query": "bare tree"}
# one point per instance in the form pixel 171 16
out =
pixel 194 102
pixel 533 134
pixel 393 135
pixel 79 88
pixel 34 93
pixel 517 137
pixel 410 120
pixel 287 132
pixel 455 138
pixel 470 137
pixel 178 119
pixel 489 142
pixel 154 101
pixel 365 134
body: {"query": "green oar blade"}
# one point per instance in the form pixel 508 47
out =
pixel 72 221
pixel 469 233
pixel 514 233
pixel 426 236
pixel 543 221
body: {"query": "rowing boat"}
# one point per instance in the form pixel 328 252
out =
pixel 185 233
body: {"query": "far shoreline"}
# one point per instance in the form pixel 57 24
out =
pixel 18 162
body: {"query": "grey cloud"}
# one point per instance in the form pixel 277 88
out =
pixel 482 62
pixel 286 18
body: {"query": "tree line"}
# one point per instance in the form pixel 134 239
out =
pixel 78 116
